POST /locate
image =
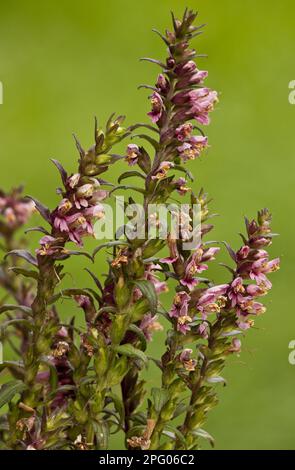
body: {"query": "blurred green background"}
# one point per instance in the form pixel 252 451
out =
pixel 62 62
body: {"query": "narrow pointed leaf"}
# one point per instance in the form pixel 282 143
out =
pixel 10 307
pixel 107 245
pixel 23 254
pixel 147 289
pixel 130 351
pixel 43 210
pixel 25 272
pixel 9 390
pixel 61 170
pixel 130 174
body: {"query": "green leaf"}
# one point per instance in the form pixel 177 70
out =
pixel 130 351
pixel 17 322
pixel 132 188
pixel 9 390
pixel 160 397
pixel 216 380
pixel 25 272
pixel 15 368
pixel 149 139
pixel 23 254
pixel 148 290
pixel 95 279
pixel 184 170
pixel 230 251
pixel 78 253
pixel 43 210
pixel 61 170
pixel 53 373
pixel 180 409
pixel 175 434
pixel 102 434
pixel 204 434
pixel 119 407
pixel 129 174
pixel 135 329
pixel 37 229
pixel 22 308
pixel 109 244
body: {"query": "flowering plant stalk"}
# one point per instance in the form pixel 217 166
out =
pixel 73 388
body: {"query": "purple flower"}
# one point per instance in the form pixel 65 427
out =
pixel 194 79
pixel 261 267
pixel 160 286
pixel 235 346
pixel 48 246
pixel 243 252
pixel 162 170
pixel 132 154
pixel 181 186
pixel 185 358
pixel 203 330
pixel 203 105
pixel 194 265
pixel 180 305
pixel 149 324
pixel 185 68
pixel 193 148
pixel 212 300
pixel 73 180
pixel 162 84
pixel 179 311
pixel 14 209
pixel 236 291
pixel 184 131
pixel 157 107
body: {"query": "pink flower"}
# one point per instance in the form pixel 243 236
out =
pixel 180 305
pixel 193 148
pixel 181 186
pixel 162 170
pixel 96 211
pixel 194 265
pixel 73 180
pixel 236 292
pixel 203 105
pixel 174 255
pixel 235 346
pixel 157 107
pixel 185 68
pixel 255 290
pixel 132 154
pixel 47 246
pixel 179 311
pixel 149 324
pixel 185 358
pixel 184 131
pixel 15 210
pixel 261 267
pixel 212 300
pixel 203 330
pixel 162 84
pixel 193 79
pixel 160 286
pixel 243 252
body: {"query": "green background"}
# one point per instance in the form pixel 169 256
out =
pixel 62 62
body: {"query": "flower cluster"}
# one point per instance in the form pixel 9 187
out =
pixel 15 210
pixel 77 382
